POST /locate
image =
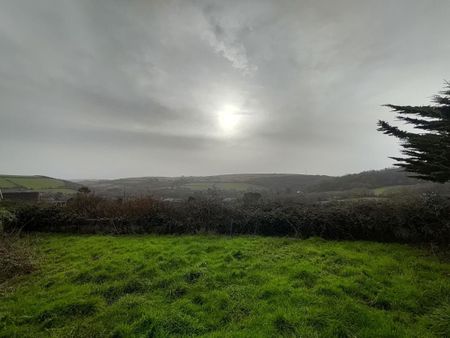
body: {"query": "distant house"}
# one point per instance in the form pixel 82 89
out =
pixel 20 196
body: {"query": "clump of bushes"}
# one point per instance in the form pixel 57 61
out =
pixel 16 256
pixel 423 218
pixel 6 217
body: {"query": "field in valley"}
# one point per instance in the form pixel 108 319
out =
pixel 37 183
pixel 212 286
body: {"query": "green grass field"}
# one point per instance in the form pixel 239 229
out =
pixel 38 183
pixel 150 286
pixel 389 190
pixel 6 183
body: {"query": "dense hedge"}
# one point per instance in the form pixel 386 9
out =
pixel 420 219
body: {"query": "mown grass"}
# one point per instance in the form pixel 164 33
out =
pixel 210 286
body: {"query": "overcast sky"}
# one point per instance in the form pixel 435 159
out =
pixel 115 88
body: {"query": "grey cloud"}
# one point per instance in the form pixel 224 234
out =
pixel 148 80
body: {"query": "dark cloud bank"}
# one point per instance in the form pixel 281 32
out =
pixel 133 88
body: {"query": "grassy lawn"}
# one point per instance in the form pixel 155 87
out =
pixel 164 286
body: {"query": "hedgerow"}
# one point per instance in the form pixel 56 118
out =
pixel 424 218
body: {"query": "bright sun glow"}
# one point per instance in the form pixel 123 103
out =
pixel 229 119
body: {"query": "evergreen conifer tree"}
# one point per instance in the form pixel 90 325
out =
pixel 427 153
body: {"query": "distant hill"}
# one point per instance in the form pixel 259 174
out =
pixel 231 183
pixel 375 183
pixel 365 180
pixel 237 183
pixel 381 182
pixel 283 182
pixel 37 183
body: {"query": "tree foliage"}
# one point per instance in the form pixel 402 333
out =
pixel 427 152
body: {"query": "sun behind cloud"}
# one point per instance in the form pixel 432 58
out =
pixel 229 119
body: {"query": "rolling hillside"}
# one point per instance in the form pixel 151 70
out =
pixel 365 180
pixel 378 181
pixel 381 182
pixel 233 183
pixel 37 183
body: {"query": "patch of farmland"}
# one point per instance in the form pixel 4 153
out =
pixel 37 183
pixel 5 183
